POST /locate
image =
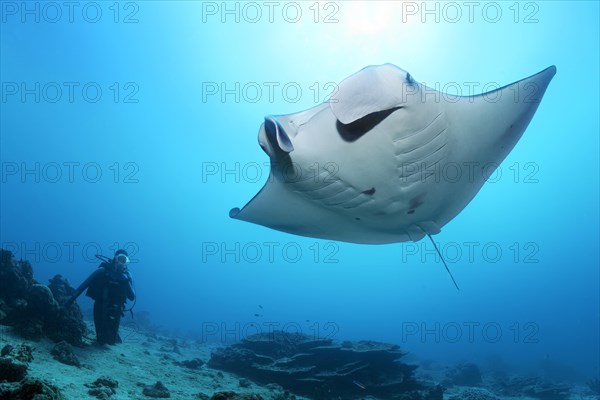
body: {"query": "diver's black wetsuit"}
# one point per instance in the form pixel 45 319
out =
pixel 110 289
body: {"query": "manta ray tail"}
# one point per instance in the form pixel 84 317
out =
pixel 445 265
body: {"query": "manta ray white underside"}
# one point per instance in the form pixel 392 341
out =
pixel 386 159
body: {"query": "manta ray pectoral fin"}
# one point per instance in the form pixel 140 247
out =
pixel 492 123
pixel 372 89
pixel 277 207
pixel 527 90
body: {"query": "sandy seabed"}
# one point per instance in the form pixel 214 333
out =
pixel 142 360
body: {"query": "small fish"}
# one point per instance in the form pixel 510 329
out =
pixel 259 306
pixel 256 315
pixel 360 385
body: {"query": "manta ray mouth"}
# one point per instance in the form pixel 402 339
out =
pixel 355 130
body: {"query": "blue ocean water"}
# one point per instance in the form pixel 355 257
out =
pixel 134 125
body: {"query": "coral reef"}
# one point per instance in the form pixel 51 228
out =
pixel 594 385
pixel 103 388
pixel 533 387
pixel 34 309
pixel 29 389
pixel 323 369
pixel 62 352
pixel 244 383
pixel 194 363
pixel 474 394
pixel 284 396
pixel 235 396
pixel 68 324
pixel 14 383
pixel 14 362
pixel 157 391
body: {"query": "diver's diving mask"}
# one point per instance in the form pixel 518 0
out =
pixel 122 260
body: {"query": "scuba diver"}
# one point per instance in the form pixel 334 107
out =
pixel 109 286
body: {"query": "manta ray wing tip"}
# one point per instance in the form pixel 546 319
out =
pixel 233 213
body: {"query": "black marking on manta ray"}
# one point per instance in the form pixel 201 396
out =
pixel 354 130
pixel 370 192
pixel 328 199
pixel 416 202
pixel 357 195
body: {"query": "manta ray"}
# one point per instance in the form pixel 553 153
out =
pixel 386 159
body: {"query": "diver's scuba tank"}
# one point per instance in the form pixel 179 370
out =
pixel 109 260
pixel 103 258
